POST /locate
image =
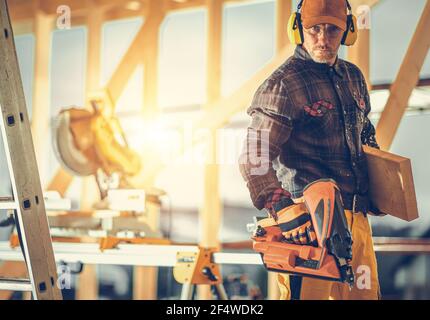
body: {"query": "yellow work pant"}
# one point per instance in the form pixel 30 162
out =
pixel 364 265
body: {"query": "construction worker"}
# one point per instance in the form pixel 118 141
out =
pixel 310 121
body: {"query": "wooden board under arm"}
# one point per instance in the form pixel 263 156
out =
pixel 391 184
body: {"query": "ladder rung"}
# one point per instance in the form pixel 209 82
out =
pixel 16 284
pixel 8 205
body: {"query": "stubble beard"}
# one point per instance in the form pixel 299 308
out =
pixel 322 57
pixel 327 57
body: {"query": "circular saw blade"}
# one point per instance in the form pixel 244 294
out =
pixel 71 158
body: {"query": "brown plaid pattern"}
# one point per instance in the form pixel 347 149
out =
pixel 315 118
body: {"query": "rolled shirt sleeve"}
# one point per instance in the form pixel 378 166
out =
pixel 272 121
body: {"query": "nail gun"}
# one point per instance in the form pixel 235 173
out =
pixel 328 256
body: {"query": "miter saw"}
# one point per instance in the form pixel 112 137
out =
pixel 92 142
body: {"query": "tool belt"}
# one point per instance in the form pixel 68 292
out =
pixel 356 202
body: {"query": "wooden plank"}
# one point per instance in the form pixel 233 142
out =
pixel 391 184
pixel 405 82
pixel 25 178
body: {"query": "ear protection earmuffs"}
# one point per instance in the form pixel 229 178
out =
pixel 295 27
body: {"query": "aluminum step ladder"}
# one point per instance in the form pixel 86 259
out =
pixel 27 201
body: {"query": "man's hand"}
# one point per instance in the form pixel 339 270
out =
pixel 374 211
pixel 291 216
pixel 296 225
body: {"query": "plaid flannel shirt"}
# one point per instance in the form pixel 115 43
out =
pixel 315 119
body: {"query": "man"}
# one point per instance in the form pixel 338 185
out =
pixel 313 112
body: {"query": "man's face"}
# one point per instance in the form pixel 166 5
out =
pixel 322 42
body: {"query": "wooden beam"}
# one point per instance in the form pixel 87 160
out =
pixel 214 36
pixel 177 5
pixel 356 3
pixel 146 278
pixel 150 55
pixel 41 89
pixel 359 53
pixel 144 288
pixel 283 12
pixel 88 282
pixel 94 23
pixel 405 82
pixel 20 10
pixel 181 5
pixel 119 13
pixel 211 210
pixel 386 86
pixel 133 57
pixel 221 111
pixel 218 113
pixel 77 6
pixel 23 27
pixel 89 191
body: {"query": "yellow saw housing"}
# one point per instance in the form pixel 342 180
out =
pixel 85 141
